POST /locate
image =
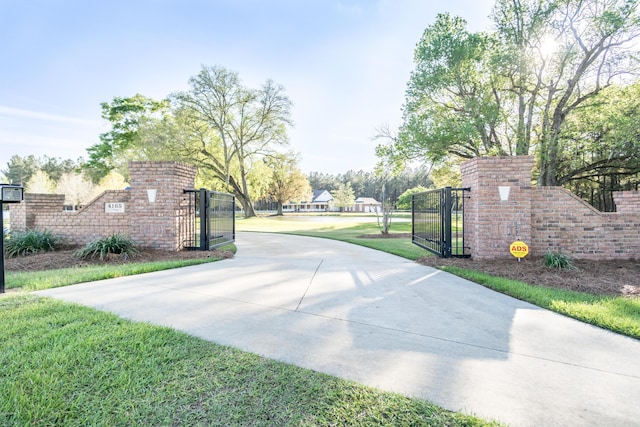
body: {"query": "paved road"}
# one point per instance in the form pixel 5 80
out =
pixel 390 323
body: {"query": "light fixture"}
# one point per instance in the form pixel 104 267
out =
pixel 151 195
pixel 504 193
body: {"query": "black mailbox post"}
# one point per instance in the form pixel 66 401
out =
pixel 9 193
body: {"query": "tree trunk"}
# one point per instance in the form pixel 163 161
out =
pixel 247 205
pixel 280 208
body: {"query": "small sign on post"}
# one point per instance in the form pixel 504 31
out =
pixel 9 193
pixel 519 249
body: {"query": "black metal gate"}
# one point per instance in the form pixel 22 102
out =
pixel 211 219
pixel 438 221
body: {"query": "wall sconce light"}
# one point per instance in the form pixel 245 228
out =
pixel 151 195
pixel 504 193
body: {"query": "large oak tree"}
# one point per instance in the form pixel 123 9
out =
pixel 512 91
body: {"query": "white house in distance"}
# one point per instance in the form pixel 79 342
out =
pixel 366 204
pixel 321 202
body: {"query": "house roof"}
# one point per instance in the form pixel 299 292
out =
pixel 321 196
pixel 367 201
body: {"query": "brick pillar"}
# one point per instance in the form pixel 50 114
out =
pixel 491 224
pixel 156 224
pixel 627 201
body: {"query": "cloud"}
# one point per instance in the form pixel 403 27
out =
pixel 27 114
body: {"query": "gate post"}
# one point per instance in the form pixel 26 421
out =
pixel 204 219
pixel 446 222
pixel 491 222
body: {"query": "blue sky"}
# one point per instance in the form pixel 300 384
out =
pixel 344 64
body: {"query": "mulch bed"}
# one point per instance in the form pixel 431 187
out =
pixel 613 278
pixel 66 259
pixel 594 277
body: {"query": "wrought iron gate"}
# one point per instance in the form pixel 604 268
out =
pixel 210 219
pixel 438 221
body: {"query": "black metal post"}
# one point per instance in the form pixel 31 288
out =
pixel 2 249
pixel 447 222
pixel 204 219
pixel 413 216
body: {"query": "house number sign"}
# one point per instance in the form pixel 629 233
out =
pixel 114 207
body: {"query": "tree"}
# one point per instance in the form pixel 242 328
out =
pixel 404 201
pixel 451 105
pixel 384 222
pixel 113 181
pixel 230 127
pixel 77 188
pixel 447 173
pixel 323 181
pixel 593 46
pixel 288 183
pixel 602 146
pixel 20 169
pixel 127 115
pixel 39 183
pixel 55 167
pixel 511 92
pixel 343 196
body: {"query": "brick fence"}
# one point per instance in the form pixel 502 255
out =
pixel 546 218
pixel 155 224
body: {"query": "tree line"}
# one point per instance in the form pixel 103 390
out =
pixel 59 176
pixel 69 177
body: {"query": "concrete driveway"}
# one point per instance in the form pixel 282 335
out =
pixel 387 322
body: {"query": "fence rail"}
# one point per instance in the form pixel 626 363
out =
pixel 438 221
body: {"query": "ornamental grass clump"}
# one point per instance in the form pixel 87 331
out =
pixel 30 242
pixel 558 260
pixel 116 244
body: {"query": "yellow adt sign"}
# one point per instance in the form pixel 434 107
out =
pixel 519 249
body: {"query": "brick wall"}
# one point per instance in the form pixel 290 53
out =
pixel 546 218
pixel 149 224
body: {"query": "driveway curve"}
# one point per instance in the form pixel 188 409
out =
pixel 384 321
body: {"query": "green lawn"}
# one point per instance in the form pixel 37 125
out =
pixel 38 280
pixel 67 365
pixel 617 314
pixel 346 231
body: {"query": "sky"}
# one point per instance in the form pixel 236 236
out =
pixel 344 64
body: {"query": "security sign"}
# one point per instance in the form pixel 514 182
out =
pixel 519 249
pixel 11 193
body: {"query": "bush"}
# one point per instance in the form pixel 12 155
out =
pixel 102 248
pixel 558 260
pixel 29 242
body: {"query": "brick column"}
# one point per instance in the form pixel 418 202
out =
pixel 627 201
pixel 491 224
pixel 156 224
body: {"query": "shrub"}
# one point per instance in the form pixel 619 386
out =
pixel 558 260
pixel 30 242
pixel 102 248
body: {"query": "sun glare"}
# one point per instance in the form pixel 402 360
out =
pixel 548 47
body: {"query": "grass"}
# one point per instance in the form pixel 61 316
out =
pixel 63 364
pixel 617 314
pixel 346 231
pixel 39 280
